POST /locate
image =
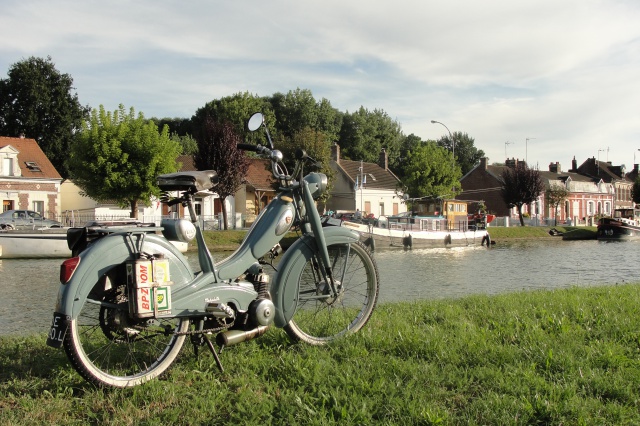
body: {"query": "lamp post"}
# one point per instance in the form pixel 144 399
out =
pixel 526 150
pixel 453 142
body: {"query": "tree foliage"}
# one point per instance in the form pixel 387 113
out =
pixel 364 133
pixel 521 185
pixel 430 172
pixel 37 100
pixel 217 150
pixel 556 194
pixel 467 155
pixel 118 157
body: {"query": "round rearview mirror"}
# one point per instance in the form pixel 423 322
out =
pixel 256 120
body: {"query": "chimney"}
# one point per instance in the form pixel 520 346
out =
pixel 335 152
pixel 483 163
pixel 383 160
pixel 555 167
pixel 574 164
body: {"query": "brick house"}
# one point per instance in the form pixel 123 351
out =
pixel 376 190
pixel 28 180
pixel 610 174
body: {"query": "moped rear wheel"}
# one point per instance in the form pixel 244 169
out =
pixel 109 347
pixel 322 316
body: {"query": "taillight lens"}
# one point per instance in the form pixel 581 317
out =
pixel 67 268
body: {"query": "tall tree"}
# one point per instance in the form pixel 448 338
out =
pixel 365 133
pixel 37 101
pixel 521 185
pixel 430 172
pixel 467 155
pixel 217 150
pixel 556 194
pixel 118 156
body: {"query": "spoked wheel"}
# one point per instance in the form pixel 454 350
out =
pixel 110 348
pixel 322 315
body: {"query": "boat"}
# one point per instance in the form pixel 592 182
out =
pixel 432 223
pixel 52 242
pixel 623 226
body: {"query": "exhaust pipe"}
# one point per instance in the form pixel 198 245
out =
pixel 233 337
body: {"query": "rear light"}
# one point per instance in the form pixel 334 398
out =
pixel 67 268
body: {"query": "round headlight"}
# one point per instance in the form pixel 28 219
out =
pixel 317 184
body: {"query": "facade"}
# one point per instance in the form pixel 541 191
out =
pixel 588 196
pixel 610 174
pixel 28 180
pixel 368 187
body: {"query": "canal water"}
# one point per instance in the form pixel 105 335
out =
pixel 28 288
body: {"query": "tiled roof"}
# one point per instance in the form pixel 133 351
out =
pixel 30 152
pixel 376 176
pixel 187 163
pixel 259 174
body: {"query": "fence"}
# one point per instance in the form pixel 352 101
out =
pixel 206 222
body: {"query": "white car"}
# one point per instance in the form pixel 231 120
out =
pixel 26 219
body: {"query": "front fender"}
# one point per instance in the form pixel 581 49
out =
pixel 284 289
pixel 109 252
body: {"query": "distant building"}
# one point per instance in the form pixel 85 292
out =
pixel 28 180
pixel 610 174
pixel 368 187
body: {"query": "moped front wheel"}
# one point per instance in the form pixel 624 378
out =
pixel 323 315
pixel 110 347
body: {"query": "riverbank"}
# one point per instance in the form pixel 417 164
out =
pixel 547 357
pixel 230 239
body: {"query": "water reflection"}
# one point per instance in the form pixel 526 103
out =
pixel 29 287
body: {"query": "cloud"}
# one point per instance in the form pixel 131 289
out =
pixel 562 72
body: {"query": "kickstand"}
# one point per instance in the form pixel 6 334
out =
pixel 213 351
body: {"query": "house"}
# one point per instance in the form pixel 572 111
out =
pixel 28 180
pixel 588 196
pixel 610 174
pixel 368 187
pixel 257 191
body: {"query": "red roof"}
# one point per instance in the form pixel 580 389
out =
pixel 30 154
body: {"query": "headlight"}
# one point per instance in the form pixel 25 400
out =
pixel 178 230
pixel 317 184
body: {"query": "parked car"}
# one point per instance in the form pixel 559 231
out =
pixel 26 219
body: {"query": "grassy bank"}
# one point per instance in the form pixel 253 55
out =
pixel 563 357
pixel 502 233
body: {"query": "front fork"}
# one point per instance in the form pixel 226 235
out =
pixel 316 228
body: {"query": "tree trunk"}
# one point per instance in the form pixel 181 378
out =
pixel 224 213
pixel 520 215
pixel 134 209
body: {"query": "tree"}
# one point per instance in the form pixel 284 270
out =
pixel 521 185
pixel 118 157
pixel 217 151
pixel 467 155
pixel 365 133
pixel 36 101
pixel 556 194
pixel 431 172
pixel 635 191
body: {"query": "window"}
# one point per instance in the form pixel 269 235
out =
pixel 7 205
pixel 7 166
pixel 33 166
pixel 39 207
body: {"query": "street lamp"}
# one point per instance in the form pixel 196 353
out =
pixel 526 151
pixel 453 142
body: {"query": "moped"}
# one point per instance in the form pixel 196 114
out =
pixel 129 298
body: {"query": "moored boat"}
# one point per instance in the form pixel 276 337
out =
pixel 433 222
pixel 618 229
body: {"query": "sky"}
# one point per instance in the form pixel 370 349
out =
pixel 544 80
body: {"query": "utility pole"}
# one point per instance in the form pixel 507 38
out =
pixel 526 150
pixel 505 148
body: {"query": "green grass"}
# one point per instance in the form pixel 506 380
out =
pixel 501 233
pixel 550 357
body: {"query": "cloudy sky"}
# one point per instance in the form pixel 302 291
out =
pixel 564 75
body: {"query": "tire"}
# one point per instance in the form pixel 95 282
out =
pixel 110 348
pixel 318 321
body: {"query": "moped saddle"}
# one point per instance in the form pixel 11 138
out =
pixel 188 181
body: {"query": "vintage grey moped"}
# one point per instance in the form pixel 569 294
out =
pixel 129 298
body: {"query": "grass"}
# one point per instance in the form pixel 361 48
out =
pixel 562 357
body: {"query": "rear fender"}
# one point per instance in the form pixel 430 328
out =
pixel 284 289
pixel 105 254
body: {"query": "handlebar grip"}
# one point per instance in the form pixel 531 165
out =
pixel 247 147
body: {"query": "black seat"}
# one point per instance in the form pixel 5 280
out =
pixel 188 181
